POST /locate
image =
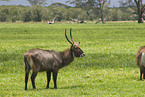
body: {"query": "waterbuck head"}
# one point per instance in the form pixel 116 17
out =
pixel 75 49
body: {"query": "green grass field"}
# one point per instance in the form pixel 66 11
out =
pixel 108 69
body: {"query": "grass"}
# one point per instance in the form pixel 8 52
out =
pixel 108 69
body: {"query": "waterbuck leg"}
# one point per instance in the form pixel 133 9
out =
pixel 143 75
pixel 55 79
pixel 140 74
pixel 48 78
pixel 26 78
pixel 33 76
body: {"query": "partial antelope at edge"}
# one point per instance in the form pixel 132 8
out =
pixel 140 60
pixel 50 61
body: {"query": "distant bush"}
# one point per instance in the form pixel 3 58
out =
pixel 26 16
pixel 3 17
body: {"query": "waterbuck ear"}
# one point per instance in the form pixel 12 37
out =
pixel 78 43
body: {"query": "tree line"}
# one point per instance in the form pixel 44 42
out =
pixel 83 10
pixel 39 13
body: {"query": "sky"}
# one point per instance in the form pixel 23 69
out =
pixel 113 3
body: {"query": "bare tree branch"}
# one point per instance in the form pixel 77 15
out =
pixel 136 2
pixel 143 8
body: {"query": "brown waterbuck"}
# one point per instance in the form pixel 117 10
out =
pixel 50 61
pixel 140 59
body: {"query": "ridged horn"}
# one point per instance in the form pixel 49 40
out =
pixel 67 38
pixel 71 36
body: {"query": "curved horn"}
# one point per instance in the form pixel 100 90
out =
pixel 71 36
pixel 67 38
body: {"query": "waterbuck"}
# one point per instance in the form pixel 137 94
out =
pixel 50 61
pixel 140 59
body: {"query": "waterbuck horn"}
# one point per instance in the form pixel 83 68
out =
pixel 67 38
pixel 71 36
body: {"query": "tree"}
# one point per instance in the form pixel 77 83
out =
pixel 99 4
pixel 140 9
pixel 36 2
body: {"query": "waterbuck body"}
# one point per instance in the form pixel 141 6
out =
pixel 50 61
pixel 140 59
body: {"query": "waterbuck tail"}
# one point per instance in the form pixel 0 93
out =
pixel 27 66
pixel 27 70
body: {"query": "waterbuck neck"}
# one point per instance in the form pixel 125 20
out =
pixel 68 56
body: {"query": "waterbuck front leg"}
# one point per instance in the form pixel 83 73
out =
pixel 55 79
pixel 33 76
pixel 48 78
pixel 140 74
pixel 143 75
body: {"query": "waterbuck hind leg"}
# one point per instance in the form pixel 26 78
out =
pixel 141 74
pixel 26 79
pixel 55 79
pixel 33 76
pixel 48 78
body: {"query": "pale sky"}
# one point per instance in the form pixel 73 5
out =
pixel 113 3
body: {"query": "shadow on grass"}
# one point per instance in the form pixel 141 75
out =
pixel 65 87
pixel 71 87
pixel 10 57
